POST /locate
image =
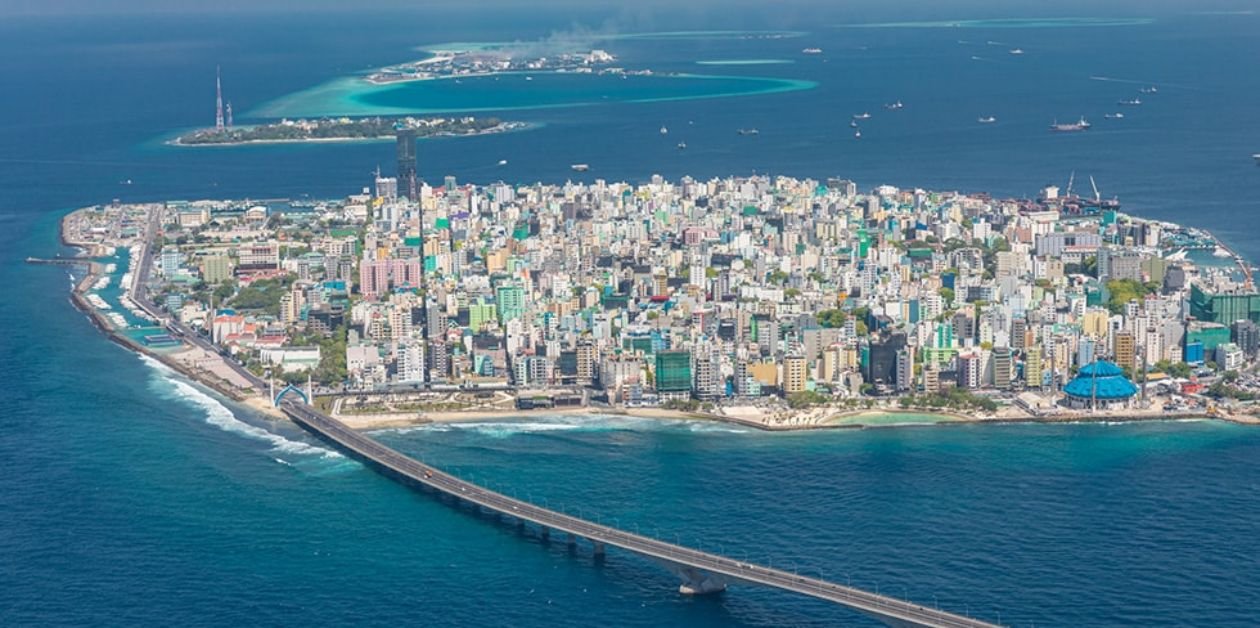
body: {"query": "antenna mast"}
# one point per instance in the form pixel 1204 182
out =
pixel 218 99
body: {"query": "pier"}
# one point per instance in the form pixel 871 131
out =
pixel 59 261
pixel 700 572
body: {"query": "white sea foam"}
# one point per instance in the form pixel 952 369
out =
pixel 505 428
pixel 221 416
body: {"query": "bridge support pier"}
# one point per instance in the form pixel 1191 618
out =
pixel 697 582
pixel 572 540
pixel 545 534
pixel 599 549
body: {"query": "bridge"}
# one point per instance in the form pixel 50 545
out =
pixel 701 572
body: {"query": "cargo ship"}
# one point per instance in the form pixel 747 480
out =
pixel 1071 127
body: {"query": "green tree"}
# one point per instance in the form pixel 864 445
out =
pixel 832 318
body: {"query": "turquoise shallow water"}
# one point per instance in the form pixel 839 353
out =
pixel 129 497
pixel 513 91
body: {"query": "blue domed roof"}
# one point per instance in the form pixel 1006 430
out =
pixel 1101 368
pixel 1101 380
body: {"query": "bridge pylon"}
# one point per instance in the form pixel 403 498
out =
pixel 697 581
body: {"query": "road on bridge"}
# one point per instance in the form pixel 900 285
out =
pixel 888 609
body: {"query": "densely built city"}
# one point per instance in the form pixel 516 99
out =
pixel 774 301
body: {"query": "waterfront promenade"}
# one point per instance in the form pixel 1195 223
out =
pixel 700 571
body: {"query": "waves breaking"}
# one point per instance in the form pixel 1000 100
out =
pixel 173 386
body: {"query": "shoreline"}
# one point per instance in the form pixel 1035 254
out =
pixel 507 127
pixel 821 418
pixel 84 253
pixel 371 422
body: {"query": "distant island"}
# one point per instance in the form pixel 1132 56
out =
pixel 344 129
pixel 487 61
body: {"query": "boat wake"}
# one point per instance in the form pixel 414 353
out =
pixel 1112 79
pixel 169 384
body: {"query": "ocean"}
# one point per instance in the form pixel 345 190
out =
pixel 129 495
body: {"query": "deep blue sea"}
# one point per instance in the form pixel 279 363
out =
pixel 129 496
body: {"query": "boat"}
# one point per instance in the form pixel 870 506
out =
pixel 986 120
pixel 853 124
pixel 1149 90
pixel 580 167
pixel 1079 125
pixel 857 134
pixel 752 131
pixel 682 145
pixel 502 162
pixel 812 51
pixel 1114 116
pixel 1130 103
pixel 664 131
pixel 894 106
pixel 865 115
pixel 529 78
pixel 1017 51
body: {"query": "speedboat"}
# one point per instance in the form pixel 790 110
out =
pixel 865 115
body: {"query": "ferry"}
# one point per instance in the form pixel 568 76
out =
pixel 1130 103
pixel 812 51
pixel 986 120
pixel 865 115
pixel 1114 116
pixel 580 167
pixel 894 106
pixel 1079 125
pixel 748 131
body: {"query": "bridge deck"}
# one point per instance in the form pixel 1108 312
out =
pixel 887 609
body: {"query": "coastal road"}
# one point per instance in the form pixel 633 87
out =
pixel 693 565
pixel 140 295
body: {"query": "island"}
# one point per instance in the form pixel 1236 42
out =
pixel 498 59
pixel 345 129
pixel 773 303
